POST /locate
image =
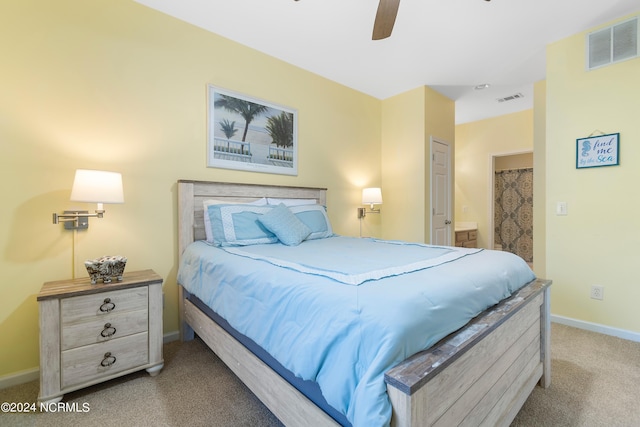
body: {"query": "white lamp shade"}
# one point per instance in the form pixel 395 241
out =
pixel 371 196
pixel 97 187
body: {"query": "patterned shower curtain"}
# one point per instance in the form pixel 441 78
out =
pixel 513 213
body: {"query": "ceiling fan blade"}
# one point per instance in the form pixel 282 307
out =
pixel 385 18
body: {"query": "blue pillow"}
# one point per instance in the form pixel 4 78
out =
pixel 315 217
pixel 209 202
pixel 285 225
pixel 238 225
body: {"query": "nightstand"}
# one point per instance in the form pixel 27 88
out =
pixel 93 333
pixel 467 238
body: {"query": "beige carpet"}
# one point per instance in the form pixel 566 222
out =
pixel 595 382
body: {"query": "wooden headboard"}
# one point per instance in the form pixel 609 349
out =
pixel 191 194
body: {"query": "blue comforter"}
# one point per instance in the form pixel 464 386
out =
pixel 343 323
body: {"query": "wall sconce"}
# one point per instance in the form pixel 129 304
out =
pixel 92 187
pixel 370 196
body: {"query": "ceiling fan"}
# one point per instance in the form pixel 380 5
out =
pixel 385 18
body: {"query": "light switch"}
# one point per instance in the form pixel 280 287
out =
pixel 561 208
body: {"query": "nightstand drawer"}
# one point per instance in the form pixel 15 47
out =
pixel 87 307
pixel 470 244
pixel 90 363
pixel 467 238
pixel 104 328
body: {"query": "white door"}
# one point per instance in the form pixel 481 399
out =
pixel 440 193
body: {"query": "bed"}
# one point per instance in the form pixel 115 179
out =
pixel 479 374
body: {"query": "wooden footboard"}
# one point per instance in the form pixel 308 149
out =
pixel 481 374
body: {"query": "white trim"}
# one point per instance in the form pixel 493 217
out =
pixel 19 378
pixel 596 327
pixel 33 374
pixel 492 167
pixel 170 336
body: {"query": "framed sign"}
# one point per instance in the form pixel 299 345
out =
pixel 602 150
pixel 248 134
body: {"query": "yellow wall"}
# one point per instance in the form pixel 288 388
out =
pixel 409 120
pixel 598 241
pixel 113 85
pixel 514 161
pixel 540 178
pixel 440 117
pixel 476 142
pixel 403 169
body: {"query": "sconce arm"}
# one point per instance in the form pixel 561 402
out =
pixel 362 212
pixel 76 220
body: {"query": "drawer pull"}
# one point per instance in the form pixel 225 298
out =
pixel 108 360
pixel 108 331
pixel 107 306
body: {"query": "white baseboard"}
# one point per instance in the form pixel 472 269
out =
pixel 171 336
pixel 19 378
pixel 596 327
pixel 34 373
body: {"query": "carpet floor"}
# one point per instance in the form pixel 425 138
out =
pixel 595 382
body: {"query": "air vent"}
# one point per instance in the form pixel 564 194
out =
pixel 511 97
pixel 613 44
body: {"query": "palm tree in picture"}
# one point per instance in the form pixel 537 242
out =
pixel 280 129
pixel 229 130
pixel 248 110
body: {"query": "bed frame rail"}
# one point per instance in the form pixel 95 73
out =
pixel 286 402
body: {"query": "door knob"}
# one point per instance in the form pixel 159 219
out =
pixel 447 222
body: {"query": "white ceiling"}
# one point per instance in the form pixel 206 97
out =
pixel 449 45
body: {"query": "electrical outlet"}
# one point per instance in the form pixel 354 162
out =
pixel 597 292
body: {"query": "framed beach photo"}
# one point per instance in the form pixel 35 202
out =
pixel 594 151
pixel 249 134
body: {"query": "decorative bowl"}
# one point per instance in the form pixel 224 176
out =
pixel 106 268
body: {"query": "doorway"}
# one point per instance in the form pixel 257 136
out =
pixel 511 205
